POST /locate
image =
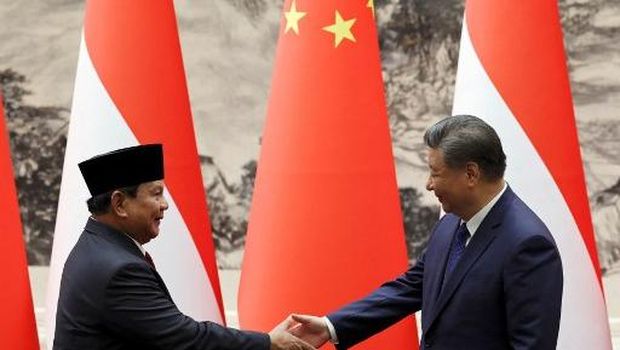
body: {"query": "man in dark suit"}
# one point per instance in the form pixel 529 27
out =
pixel 111 296
pixel 491 275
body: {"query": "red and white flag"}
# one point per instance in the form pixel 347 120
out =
pixel 325 226
pixel 512 73
pixel 18 328
pixel 130 89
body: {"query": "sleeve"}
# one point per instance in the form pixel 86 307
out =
pixel 385 306
pixel 137 309
pixel 533 289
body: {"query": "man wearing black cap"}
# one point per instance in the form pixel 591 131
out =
pixel 111 296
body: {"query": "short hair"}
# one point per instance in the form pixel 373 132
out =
pixel 465 138
pixel 100 204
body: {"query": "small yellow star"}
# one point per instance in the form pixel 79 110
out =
pixel 371 6
pixel 292 18
pixel 341 29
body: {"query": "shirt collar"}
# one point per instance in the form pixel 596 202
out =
pixel 476 220
pixel 137 244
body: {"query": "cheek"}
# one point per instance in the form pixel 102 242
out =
pixel 439 185
pixel 447 191
pixel 154 205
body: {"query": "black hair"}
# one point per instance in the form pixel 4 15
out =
pixel 100 204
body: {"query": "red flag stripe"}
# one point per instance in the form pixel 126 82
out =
pixel 325 225
pixel 17 325
pixel 536 89
pixel 125 56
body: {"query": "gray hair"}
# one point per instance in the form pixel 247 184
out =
pixel 465 138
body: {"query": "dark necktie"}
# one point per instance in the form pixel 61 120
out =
pixel 456 250
pixel 149 260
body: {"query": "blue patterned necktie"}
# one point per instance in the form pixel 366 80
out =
pixel 456 250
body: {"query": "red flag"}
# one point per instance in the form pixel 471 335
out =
pixel 512 73
pixel 17 325
pixel 325 226
pixel 130 89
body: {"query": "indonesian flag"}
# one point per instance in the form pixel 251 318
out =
pixel 325 226
pixel 18 329
pixel 512 73
pixel 130 89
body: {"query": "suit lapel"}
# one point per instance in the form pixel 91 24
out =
pixel 481 240
pixel 436 278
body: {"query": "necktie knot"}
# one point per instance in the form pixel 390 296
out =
pixel 463 234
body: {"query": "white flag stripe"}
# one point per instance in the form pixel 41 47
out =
pixel 179 264
pixel 97 126
pixel 584 321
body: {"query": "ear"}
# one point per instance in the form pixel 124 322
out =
pixel 473 173
pixel 118 201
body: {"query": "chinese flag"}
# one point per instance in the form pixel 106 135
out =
pixel 512 73
pixel 325 225
pixel 17 325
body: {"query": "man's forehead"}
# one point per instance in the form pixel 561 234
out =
pixel 434 155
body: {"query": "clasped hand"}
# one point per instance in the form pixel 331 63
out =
pixel 304 332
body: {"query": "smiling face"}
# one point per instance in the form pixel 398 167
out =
pixel 145 211
pixel 451 186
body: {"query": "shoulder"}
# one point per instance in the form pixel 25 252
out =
pixel 523 229
pixel 96 258
pixel 520 220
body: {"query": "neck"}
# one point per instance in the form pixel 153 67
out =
pixel 114 222
pixel 482 196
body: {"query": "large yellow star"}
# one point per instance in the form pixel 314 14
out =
pixel 292 18
pixel 341 29
pixel 371 6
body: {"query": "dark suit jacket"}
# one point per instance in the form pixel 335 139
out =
pixel 110 298
pixel 505 292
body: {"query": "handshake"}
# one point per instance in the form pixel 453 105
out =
pixel 300 332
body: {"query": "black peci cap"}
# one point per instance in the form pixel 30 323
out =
pixel 122 168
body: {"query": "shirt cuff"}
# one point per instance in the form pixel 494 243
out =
pixel 332 331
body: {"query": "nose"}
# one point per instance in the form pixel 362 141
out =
pixel 164 203
pixel 429 184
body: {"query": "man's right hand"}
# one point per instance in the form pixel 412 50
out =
pixel 311 329
pixel 281 339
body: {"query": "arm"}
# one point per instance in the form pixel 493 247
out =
pixel 136 308
pixel 382 308
pixel 533 288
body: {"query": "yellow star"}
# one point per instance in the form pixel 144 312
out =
pixel 371 6
pixel 292 18
pixel 341 29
